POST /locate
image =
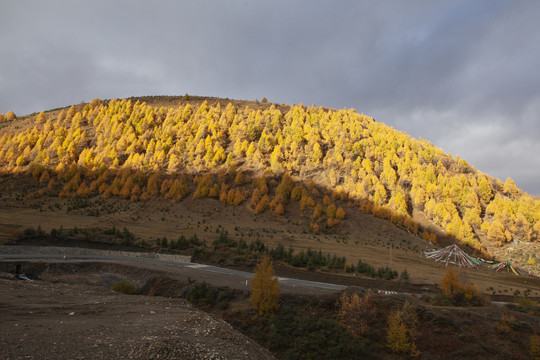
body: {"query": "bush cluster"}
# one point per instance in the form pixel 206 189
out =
pixel 383 272
pixel 124 235
pixel 210 296
pixel 309 259
pixel 313 337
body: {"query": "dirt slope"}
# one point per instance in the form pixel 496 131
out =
pixel 46 320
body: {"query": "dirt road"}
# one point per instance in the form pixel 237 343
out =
pixel 214 275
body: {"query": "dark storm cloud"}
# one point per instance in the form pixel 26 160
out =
pixel 461 74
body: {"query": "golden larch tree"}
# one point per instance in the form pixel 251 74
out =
pixel 401 325
pixel 450 283
pixel 510 187
pixel 355 313
pixel 10 116
pixel 265 288
pixel 396 336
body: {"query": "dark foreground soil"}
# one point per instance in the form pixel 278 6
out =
pixel 69 312
pixel 45 320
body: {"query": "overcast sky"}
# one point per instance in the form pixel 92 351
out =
pixel 464 75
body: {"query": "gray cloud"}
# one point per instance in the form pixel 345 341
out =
pixel 461 74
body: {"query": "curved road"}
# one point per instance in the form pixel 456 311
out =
pixel 194 266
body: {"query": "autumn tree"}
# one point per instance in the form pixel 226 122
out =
pixel 255 197
pixel 286 186
pixel 40 118
pixel 10 116
pixel 485 191
pixel 317 154
pixel 235 197
pixel 239 179
pixel 296 193
pixel 326 200
pixel 260 183
pixel 458 293
pixel 401 325
pixel 355 313
pixel 331 211
pixel 396 336
pixel 510 187
pixel 83 191
pixel 45 178
pixel 152 185
pixel 262 205
pixel 265 288
pixel 498 233
pixel 450 283
pixel 340 214
pixel 306 201
pixel 204 185
pixel 277 204
pixel 128 187
pixel 178 190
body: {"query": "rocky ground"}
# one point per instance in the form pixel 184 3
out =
pixel 46 320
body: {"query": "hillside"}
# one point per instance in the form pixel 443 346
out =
pixel 270 155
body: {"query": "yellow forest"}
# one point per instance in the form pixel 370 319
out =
pixel 130 149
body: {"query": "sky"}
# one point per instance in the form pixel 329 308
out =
pixel 462 74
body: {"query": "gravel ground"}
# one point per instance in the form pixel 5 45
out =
pixel 46 320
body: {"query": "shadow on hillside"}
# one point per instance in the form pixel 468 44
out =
pixel 322 206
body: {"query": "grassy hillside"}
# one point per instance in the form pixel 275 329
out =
pixel 329 162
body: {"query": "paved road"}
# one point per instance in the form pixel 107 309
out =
pixel 198 267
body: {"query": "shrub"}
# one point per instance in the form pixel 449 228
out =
pixel 29 232
pixel 528 305
pixel 203 293
pixel 404 275
pixel 124 287
pixel 504 326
